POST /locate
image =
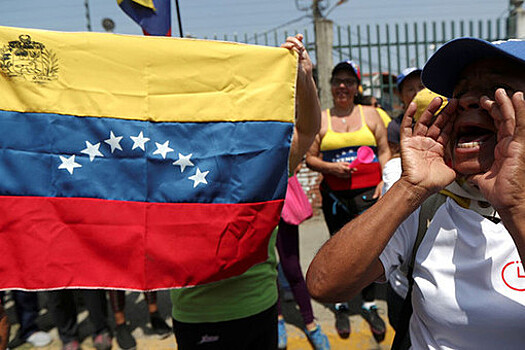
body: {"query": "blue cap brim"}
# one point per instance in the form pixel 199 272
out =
pixel 400 81
pixel 442 70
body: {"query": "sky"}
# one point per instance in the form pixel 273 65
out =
pixel 238 20
pixel 209 18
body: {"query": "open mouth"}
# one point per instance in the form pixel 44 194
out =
pixel 469 137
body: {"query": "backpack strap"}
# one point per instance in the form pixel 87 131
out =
pixel 427 211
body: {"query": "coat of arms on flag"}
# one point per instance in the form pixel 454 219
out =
pixel 142 163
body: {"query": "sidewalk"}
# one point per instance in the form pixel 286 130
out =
pixel 312 234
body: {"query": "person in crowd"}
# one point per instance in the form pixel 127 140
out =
pixel 241 312
pixel 408 84
pixel 369 100
pixel 347 192
pixel 27 308
pixel 466 291
pixel 4 328
pixel 125 340
pixel 288 249
pixel 63 308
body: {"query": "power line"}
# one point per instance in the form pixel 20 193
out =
pixel 340 2
pixel 281 26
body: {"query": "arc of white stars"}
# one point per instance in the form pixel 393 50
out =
pixel 92 150
pixel 163 149
pixel 69 164
pixel 199 177
pixel 114 141
pixel 183 161
pixel 139 141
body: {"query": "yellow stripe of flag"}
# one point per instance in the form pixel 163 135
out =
pixel 144 78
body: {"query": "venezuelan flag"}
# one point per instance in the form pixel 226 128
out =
pixel 153 16
pixel 138 163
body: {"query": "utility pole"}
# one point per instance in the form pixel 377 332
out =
pixel 324 37
pixel 88 17
pixel 516 19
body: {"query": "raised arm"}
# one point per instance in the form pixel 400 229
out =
pixel 350 259
pixel 308 107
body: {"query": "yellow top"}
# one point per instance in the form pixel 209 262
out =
pixel 144 78
pixel 384 116
pixel 334 140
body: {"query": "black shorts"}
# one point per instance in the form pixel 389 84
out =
pixel 257 332
pixel 340 207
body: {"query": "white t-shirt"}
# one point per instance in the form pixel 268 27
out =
pixel 469 289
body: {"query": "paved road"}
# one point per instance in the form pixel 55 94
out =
pixel 313 234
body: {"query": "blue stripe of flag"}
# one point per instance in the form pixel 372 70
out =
pixel 246 161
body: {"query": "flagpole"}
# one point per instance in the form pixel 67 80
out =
pixel 178 18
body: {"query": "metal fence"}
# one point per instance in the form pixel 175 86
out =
pixel 273 38
pixel 383 51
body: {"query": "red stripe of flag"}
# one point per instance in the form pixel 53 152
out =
pixel 79 242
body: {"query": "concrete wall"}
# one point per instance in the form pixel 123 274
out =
pixel 520 23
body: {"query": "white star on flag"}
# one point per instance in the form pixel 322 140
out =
pixel 183 161
pixel 92 150
pixel 114 141
pixel 139 141
pixel 69 164
pixel 163 149
pixel 199 177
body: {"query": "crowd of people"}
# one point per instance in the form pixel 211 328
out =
pixel 63 306
pixel 438 212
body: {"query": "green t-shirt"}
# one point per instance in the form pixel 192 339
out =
pixel 230 299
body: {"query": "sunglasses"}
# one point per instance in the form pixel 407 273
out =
pixel 346 82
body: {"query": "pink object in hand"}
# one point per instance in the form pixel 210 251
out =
pixel 365 155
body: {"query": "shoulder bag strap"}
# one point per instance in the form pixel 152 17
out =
pixel 426 213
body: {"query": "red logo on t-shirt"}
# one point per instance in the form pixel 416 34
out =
pixel 513 276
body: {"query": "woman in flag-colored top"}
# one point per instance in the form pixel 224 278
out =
pixel 347 192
